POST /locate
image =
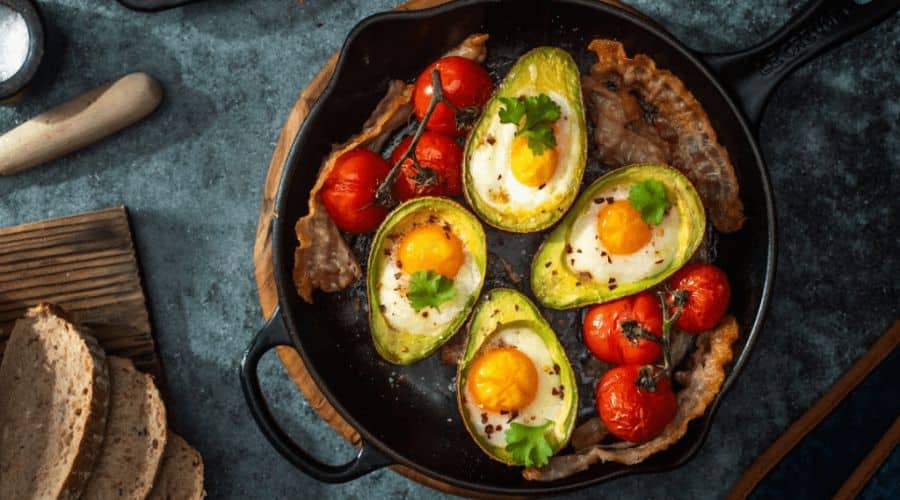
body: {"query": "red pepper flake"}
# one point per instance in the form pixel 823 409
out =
pixel 542 186
pixel 568 248
pixel 489 429
pixel 612 280
pixel 547 264
pixel 513 416
pixel 516 306
pixel 603 253
pixel 498 427
pixel 432 219
pixel 598 200
pixel 609 259
pixel 504 412
pixel 556 368
pixel 553 272
pixel 610 200
pixel 387 252
pixel 660 261
pixel 484 418
pixel 613 286
pixel 577 283
pixel 499 176
pixel 424 314
pixel 382 308
pixel 490 140
pixel 397 275
pixel 554 391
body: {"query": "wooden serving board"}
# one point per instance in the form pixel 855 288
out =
pixel 262 254
pixel 87 265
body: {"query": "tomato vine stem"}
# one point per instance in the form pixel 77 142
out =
pixel 383 195
pixel 649 375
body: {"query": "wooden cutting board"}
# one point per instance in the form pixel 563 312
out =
pixel 87 265
pixel 262 255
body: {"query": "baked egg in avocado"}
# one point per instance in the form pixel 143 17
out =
pixel 628 231
pixel 515 387
pixel 526 155
pixel 425 271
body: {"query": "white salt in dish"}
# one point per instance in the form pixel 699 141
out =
pixel 14 42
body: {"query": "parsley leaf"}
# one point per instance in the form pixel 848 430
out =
pixel 512 111
pixel 649 198
pixel 528 444
pixel 538 112
pixel 428 288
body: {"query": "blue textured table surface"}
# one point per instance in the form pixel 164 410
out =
pixel 192 173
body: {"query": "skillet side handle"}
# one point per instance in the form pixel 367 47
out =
pixel 752 75
pixel 272 335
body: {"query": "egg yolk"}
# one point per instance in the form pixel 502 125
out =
pixel 621 228
pixel 431 248
pixel 503 379
pixel 529 169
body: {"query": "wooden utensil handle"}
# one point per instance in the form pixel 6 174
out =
pixel 79 122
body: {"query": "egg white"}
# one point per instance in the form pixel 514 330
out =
pixel 589 256
pixel 492 176
pixel 399 313
pixel 546 405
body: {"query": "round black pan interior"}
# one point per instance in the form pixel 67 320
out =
pixel 410 412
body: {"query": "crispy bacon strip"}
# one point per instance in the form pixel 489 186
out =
pixel 702 382
pixel 646 114
pixel 323 259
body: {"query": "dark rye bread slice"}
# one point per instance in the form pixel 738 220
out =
pixel 180 476
pixel 54 390
pixel 135 436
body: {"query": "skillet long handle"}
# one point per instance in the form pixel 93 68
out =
pixel 272 335
pixel 754 73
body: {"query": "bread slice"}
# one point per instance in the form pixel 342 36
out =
pixel 180 476
pixel 135 436
pixel 54 390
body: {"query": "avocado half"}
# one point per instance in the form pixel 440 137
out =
pixel 395 345
pixel 555 285
pixel 541 70
pixel 506 308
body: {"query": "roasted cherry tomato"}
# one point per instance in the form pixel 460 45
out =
pixel 349 191
pixel 708 295
pixel 630 412
pixel 465 84
pixel 440 156
pixel 604 335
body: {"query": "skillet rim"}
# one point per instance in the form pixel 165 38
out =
pixel 284 282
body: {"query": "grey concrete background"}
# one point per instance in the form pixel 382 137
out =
pixel 192 173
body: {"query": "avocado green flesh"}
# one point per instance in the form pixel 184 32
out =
pixel 555 285
pixel 506 308
pixel 542 70
pixel 393 344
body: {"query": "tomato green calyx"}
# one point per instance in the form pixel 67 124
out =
pixel 383 195
pixel 648 376
pixel 528 444
pixel 634 331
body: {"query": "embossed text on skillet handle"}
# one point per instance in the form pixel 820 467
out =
pixel 752 75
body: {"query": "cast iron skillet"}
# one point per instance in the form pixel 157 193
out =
pixel 408 415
